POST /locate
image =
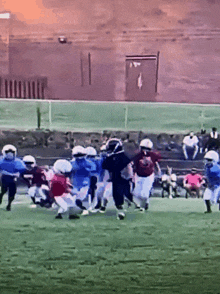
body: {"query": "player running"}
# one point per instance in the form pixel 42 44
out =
pixel 82 168
pixel 117 164
pixel 60 189
pixel 212 171
pixel 10 167
pixel 144 168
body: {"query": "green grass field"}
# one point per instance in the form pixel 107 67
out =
pixel 173 248
pixel 90 116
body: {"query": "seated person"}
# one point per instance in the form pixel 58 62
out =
pixel 192 183
pixel 169 183
pixel 190 146
pixel 213 142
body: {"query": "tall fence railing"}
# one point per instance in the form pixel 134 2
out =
pixel 16 87
pixel 97 116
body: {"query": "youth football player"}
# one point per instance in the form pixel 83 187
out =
pixel 10 167
pixel 144 168
pixel 60 189
pixel 82 168
pixel 212 171
pixel 116 162
pixel 35 178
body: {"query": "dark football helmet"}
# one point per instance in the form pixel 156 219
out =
pixel 114 145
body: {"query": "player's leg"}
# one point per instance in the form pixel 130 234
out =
pixel 207 198
pixel 99 195
pixel 12 189
pixel 92 189
pixel 81 200
pixel 147 186
pixel 62 207
pixel 106 196
pixel 71 203
pixel 118 197
pixel 4 188
pixel 137 192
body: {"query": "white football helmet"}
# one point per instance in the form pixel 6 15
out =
pixel 146 143
pixel 62 166
pixel 29 160
pixel 78 151
pixel 211 156
pixel 90 151
pixel 9 149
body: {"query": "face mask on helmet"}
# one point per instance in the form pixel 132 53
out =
pixel 211 157
pixel 9 155
pixel 114 146
pixel 9 152
pixel 29 162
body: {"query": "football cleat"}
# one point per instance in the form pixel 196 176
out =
pixel 85 212
pixel 59 216
pixel 121 216
pixel 102 209
pixel 8 207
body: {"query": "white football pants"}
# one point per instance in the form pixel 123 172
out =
pixel 65 202
pixel 212 194
pixel 143 186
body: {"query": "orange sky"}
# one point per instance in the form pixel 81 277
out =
pixel 31 11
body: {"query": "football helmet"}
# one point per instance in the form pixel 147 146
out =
pixel 90 151
pixel 29 161
pixel 62 166
pixel 9 151
pixel 114 145
pixel 146 143
pixel 211 157
pixel 78 151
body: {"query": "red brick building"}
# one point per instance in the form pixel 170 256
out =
pixel 111 50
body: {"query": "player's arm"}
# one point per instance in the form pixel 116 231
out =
pixel 158 168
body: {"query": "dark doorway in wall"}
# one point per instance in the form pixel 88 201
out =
pixel 141 77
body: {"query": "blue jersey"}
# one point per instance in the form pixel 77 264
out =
pixel 81 172
pixel 98 172
pixel 11 166
pixel 213 175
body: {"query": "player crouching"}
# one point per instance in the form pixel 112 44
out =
pixel 35 178
pixel 60 189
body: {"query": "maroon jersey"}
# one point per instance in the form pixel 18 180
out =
pixel 35 176
pixel 143 164
pixel 59 185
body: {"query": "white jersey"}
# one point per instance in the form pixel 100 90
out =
pixel 190 142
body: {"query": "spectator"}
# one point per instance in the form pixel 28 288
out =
pixel 169 183
pixel 193 182
pixel 213 142
pixel 190 146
